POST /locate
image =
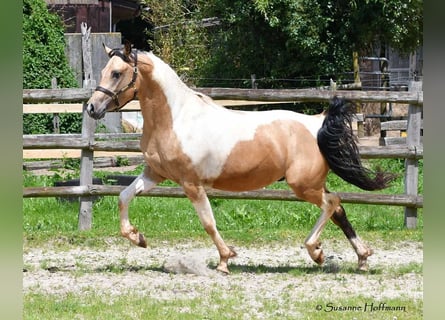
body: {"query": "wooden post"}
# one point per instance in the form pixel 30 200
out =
pixel 56 118
pixel 356 68
pixel 254 86
pixel 88 128
pixel 253 81
pixel 358 84
pixel 413 65
pixel 411 165
pixel 384 83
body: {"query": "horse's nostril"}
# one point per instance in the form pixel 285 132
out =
pixel 90 108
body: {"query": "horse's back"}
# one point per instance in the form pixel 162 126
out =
pixel 265 158
pixel 262 149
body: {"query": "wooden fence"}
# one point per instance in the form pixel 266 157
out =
pixel 89 143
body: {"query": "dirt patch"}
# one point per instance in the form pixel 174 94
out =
pixel 266 272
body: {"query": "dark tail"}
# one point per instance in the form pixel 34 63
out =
pixel 338 145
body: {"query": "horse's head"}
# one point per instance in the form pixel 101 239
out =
pixel 119 82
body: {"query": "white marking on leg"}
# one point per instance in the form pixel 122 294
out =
pixel 312 241
pixel 140 184
pixel 363 252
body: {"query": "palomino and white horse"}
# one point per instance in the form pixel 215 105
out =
pixel 189 139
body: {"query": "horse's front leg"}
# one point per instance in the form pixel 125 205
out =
pixel 200 201
pixel 145 181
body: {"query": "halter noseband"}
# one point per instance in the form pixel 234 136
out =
pixel 115 95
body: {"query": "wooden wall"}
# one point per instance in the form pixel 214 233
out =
pixel 95 13
pixel 112 121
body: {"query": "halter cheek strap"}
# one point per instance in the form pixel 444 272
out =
pixel 115 95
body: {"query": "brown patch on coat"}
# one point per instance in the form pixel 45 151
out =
pixel 279 149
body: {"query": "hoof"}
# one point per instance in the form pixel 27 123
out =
pixel 363 267
pixel 317 255
pixel 223 269
pixel 135 237
pixel 142 243
pixel 315 252
pixel 320 259
pixel 363 260
pixel 362 264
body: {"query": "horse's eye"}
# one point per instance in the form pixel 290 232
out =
pixel 115 74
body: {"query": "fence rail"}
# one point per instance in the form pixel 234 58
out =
pixel 279 95
pixel 130 143
pixel 263 194
pixel 115 142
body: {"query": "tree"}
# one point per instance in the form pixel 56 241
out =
pixel 306 38
pixel 307 41
pixel 178 35
pixel 43 59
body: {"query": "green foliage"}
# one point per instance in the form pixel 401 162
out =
pixel 180 41
pixel 303 40
pixel 43 123
pixel 121 161
pixel 43 59
pixel 295 38
pixel 398 23
pixel 44 48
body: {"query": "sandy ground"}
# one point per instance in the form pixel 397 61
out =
pixel 266 271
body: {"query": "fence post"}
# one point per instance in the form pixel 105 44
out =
pixel 356 67
pixel 88 128
pixel 412 165
pixel 253 81
pixel 56 117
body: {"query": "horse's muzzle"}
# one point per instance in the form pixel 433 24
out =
pixel 92 112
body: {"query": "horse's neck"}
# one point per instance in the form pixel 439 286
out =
pixel 174 89
pixel 163 97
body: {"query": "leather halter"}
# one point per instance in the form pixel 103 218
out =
pixel 115 95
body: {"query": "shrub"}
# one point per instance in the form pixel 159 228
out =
pixel 43 59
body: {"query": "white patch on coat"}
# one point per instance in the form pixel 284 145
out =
pixel 208 132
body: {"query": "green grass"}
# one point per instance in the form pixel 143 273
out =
pixel 216 305
pixel 244 221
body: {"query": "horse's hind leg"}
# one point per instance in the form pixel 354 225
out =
pixel 145 181
pixel 363 252
pixel 200 201
pixel 327 202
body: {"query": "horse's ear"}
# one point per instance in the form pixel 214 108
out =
pixel 107 50
pixel 127 48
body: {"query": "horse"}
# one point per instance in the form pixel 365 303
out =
pixel 189 139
